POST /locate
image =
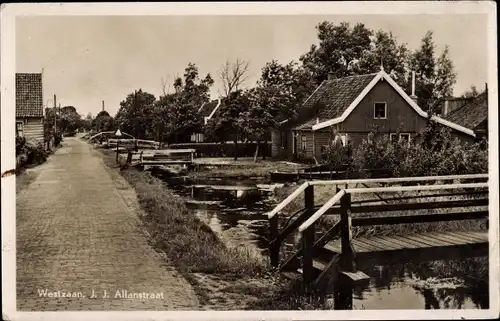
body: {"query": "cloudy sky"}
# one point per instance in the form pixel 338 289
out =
pixel 87 59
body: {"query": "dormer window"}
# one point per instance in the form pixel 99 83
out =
pixel 380 110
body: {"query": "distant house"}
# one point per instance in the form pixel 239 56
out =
pixel 353 107
pixel 473 115
pixel 207 111
pixel 449 104
pixel 29 106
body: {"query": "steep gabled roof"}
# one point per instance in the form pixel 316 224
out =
pixel 29 95
pixel 207 108
pixel 334 96
pixel 471 114
pixel 339 114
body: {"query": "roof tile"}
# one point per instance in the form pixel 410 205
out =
pixel 471 114
pixel 29 95
pixel 334 96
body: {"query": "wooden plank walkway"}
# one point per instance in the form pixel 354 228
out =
pixel 428 240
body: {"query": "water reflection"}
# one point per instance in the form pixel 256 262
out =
pixel 235 210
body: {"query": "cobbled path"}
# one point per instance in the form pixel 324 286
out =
pixel 76 234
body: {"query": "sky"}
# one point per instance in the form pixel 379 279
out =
pixel 90 59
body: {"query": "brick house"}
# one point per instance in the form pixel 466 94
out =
pixel 29 106
pixel 353 107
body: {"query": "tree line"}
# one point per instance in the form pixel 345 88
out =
pixel 250 112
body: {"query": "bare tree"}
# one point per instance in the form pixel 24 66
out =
pixel 166 84
pixel 233 75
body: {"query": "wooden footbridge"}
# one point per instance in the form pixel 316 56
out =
pixel 162 157
pixel 332 254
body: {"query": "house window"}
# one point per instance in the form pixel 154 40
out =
pixel 400 138
pixel 343 138
pixel 404 138
pixel 284 142
pixel 380 110
pixel 19 128
pixel 304 143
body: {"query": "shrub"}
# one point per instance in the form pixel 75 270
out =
pixel 57 138
pixel 30 152
pixel 36 152
pixel 431 152
pixel 20 142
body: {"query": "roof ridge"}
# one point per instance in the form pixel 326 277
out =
pixel 353 76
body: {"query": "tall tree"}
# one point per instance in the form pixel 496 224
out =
pixel 233 75
pixel 177 113
pixel 230 121
pixel 385 51
pixel 340 48
pixel 136 115
pixel 278 94
pixel 434 78
pixel 471 92
pixel 445 76
pixel 70 119
pixel 103 122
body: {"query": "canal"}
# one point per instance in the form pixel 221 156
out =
pixel 235 210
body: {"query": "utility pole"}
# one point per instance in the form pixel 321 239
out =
pixel 55 114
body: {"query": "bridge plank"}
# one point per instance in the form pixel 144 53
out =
pixel 370 242
pixel 441 241
pixel 457 238
pixel 425 243
pixel 480 237
pixel 404 243
pixel 387 244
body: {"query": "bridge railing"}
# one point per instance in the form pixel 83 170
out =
pixel 277 235
pixel 344 227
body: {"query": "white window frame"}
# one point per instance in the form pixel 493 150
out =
pixel 399 137
pixel 409 137
pixel 375 110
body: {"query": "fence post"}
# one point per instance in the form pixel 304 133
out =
pixel 308 239
pixel 346 234
pixel 274 247
pixel 344 287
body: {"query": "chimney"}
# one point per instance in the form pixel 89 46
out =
pixel 103 105
pixel 413 96
pixel 486 87
pixel 317 120
pixel 446 107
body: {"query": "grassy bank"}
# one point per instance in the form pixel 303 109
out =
pixel 243 279
pixel 189 243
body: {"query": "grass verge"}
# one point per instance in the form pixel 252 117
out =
pixel 195 249
pixel 190 244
